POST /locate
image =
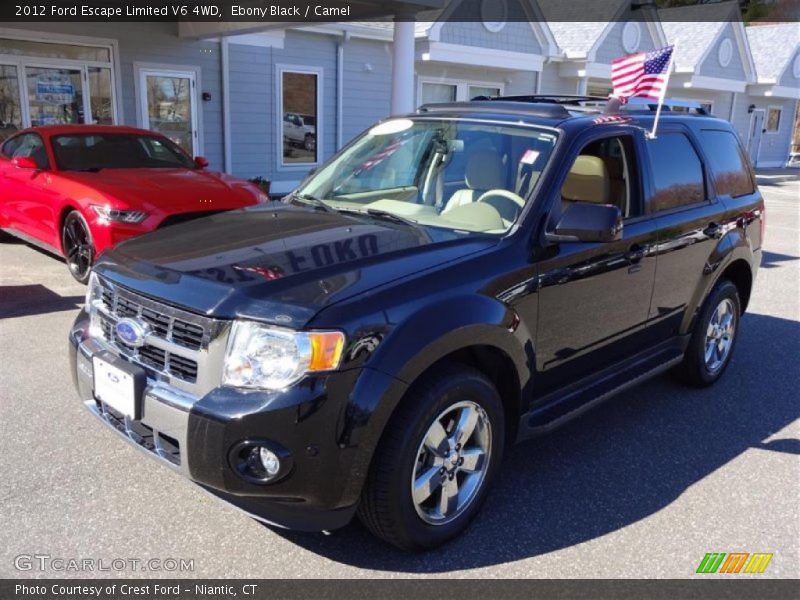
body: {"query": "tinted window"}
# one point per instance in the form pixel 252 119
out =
pixel 677 171
pixel 731 175
pixel 28 145
pixel 87 152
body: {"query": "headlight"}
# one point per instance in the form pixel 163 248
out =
pixel 94 295
pixel 260 356
pixel 93 291
pixel 119 216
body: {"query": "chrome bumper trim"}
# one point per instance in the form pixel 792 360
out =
pixel 162 432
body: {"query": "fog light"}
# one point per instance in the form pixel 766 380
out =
pixel 270 462
pixel 260 461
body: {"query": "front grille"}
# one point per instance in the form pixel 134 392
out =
pixel 177 339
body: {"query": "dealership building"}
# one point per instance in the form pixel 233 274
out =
pixel 275 100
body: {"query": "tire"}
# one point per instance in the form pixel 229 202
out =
pixel 309 143
pixel 77 246
pixel 388 507
pixel 718 320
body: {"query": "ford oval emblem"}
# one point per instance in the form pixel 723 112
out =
pixel 132 332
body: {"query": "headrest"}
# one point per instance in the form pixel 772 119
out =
pixel 484 171
pixel 587 181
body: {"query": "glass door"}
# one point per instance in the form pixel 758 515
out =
pixel 10 108
pixel 55 95
pixel 169 107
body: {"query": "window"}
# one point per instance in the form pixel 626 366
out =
pixel 677 172
pixel 299 98
pixel 603 173
pixel 55 50
pixel 773 119
pixel 481 90
pixel 455 175
pixel 438 92
pixel 88 152
pixel 731 175
pixel 28 145
pixel 10 113
pixel 169 105
pixel 50 82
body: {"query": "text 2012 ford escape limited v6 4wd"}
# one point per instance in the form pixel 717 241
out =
pixel 451 282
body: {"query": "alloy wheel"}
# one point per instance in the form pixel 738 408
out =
pixel 78 249
pixel 719 335
pixel 451 463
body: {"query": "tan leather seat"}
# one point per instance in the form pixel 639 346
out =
pixel 484 171
pixel 587 181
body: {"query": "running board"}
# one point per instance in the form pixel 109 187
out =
pixel 559 408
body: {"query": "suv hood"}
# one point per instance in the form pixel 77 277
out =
pixel 277 264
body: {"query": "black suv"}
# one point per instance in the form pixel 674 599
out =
pixel 453 281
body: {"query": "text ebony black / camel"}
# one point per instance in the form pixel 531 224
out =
pixel 451 282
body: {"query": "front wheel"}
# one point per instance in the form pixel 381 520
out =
pixel 78 247
pixel 436 461
pixel 714 338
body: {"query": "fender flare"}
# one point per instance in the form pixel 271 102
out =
pixel 422 339
pixel 732 247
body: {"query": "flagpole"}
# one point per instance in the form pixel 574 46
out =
pixel 664 94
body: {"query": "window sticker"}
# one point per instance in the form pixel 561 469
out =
pixel 529 157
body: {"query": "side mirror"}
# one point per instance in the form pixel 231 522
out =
pixel 24 162
pixel 587 222
pixel 201 162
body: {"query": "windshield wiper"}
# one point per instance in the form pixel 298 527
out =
pixel 313 201
pixel 89 170
pixel 390 216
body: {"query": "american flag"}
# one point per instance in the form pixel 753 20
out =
pixel 641 74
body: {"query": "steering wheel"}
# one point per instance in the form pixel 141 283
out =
pixel 507 203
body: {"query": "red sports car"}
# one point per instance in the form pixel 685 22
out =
pixel 79 189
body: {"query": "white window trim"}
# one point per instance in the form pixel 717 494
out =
pixel 20 62
pixel 280 69
pixel 139 68
pixel 462 86
pixel 766 120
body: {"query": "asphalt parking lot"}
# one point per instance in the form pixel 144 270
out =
pixel 643 486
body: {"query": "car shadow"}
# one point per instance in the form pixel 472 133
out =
pixel 770 260
pixel 26 300
pixel 622 462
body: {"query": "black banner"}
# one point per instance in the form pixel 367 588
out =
pixel 322 11
pixel 349 589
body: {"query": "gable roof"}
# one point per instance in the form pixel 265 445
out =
pixel 773 46
pixel 577 38
pixel 692 30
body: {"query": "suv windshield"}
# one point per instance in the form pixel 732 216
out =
pixel 457 174
pixel 95 151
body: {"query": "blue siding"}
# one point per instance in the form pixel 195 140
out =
pixel 710 66
pixel 611 47
pixel 515 36
pixel 367 90
pixel 252 102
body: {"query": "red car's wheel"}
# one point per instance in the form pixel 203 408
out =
pixel 78 247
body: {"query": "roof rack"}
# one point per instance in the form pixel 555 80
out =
pixel 592 103
pixel 501 105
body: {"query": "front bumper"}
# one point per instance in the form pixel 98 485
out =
pixel 194 435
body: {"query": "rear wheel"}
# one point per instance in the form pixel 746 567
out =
pixel 714 337
pixel 436 461
pixel 78 247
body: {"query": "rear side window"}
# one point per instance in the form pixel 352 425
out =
pixel 731 175
pixel 677 172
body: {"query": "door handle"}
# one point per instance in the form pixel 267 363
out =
pixel 635 254
pixel 714 230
